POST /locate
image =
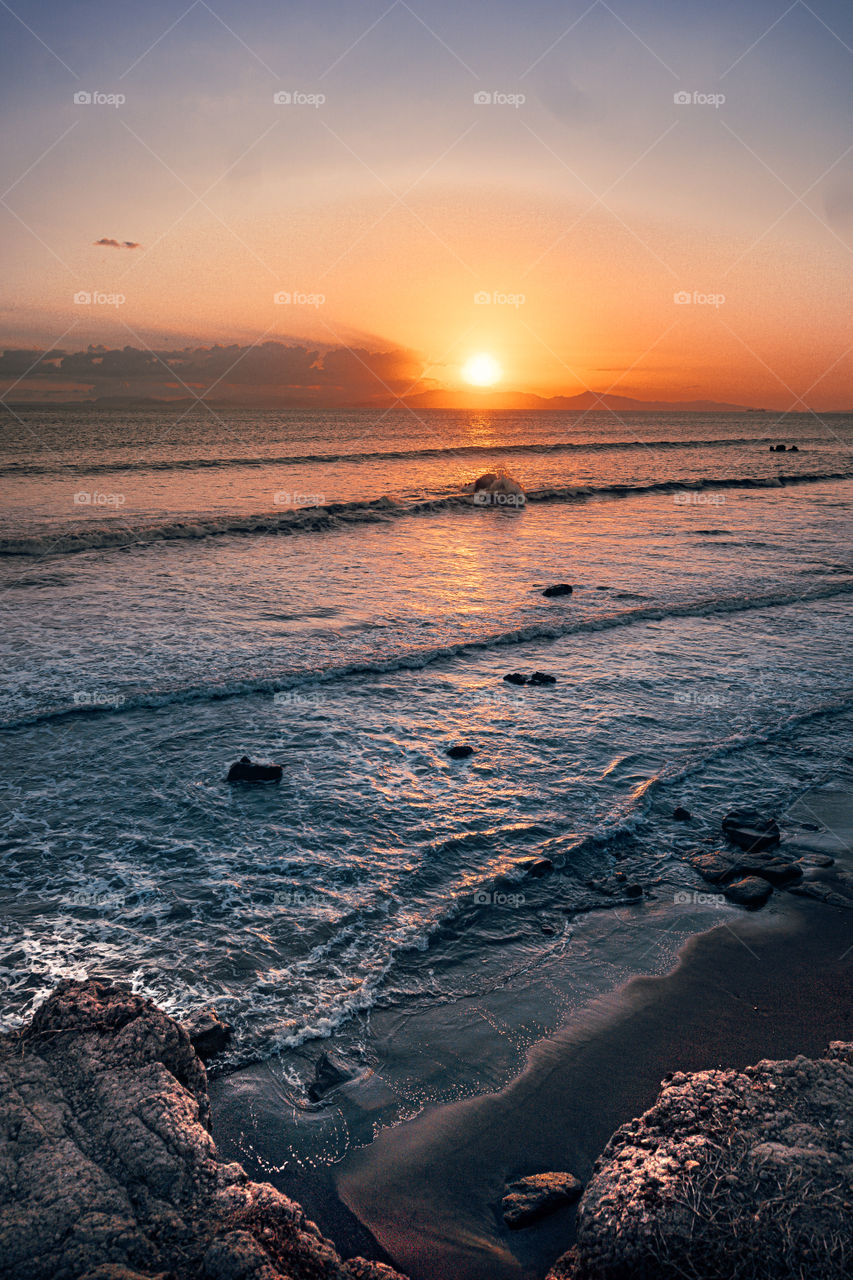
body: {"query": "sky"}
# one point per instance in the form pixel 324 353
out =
pixel 652 199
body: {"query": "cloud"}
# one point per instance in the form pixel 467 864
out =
pixel 117 244
pixel 265 373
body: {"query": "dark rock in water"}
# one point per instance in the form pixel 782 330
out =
pixel 537 867
pixel 558 589
pixel 485 481
pixel 332 1069
pixel 730 1175
pixel 793 449
pixel 749 830
pixel 633 891
pixel 816 860
pixel 109 1170
pixel 724 867
pixel 750 892
pixel 208 1034
pixel 246 771
pixel 515 677
pixel 541 677
pixel 713 867
pixel 777 448
pixel 461 752
pixel 681 815
pixel 531 1198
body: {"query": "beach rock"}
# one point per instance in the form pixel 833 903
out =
pixel 749 830
pixel 332 1069
pixel 777 448
pixel 633 890
pixel 485 482
pixel 750 892
pixel 731 1175
pixel 793 449
pixel 107 1167
pixel 681 815
pixel 722 867
pixel 541 677
pixel 531 1198
pixel 537 867
pixel 816 860
pixel 558 589
pixel 244 770
pixel 462 752
pixel 515 677
pixel 208 1034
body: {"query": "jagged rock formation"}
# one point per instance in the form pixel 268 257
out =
pixel 732 1175
pixel 108 1170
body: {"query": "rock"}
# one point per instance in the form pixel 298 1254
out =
pixel 531 1198
pixel 633 891
pixel 537 867
pixel 245 771
pixel 515 677
pixel 208 1034
pixel 749 830
pixel 816 860
pixel 750 892
pixel 461 752
pixel 722 867
pixel 558 589
pixel 793 449
pixel 107 1166
pixel 731 1175
pixel 681 815
pixel 485 482
pixel 332 1069
pixel 541 677
pixel 777 448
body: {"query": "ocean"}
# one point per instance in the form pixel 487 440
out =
pixel 318 589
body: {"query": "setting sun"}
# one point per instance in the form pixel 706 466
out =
pixel 482 371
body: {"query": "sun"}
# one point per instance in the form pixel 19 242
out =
pixel 482 371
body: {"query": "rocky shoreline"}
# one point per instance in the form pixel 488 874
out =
pixel 108 1170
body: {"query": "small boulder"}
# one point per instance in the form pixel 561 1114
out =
pixel 793 449
pixel 332 1069
pixel 537 867
pixel 515 677
pixel 462 752
pixel 558 589
pixel 749 830
pixel 681 815
pixel 751 892
pixel 208 1034
pixel 531 1198
pixel 542 677
pixel 633 891
pixel 245 770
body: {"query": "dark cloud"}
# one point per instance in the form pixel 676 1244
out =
pixel 117 244
pixel 269 373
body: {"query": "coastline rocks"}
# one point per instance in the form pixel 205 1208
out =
pixel 749 830
pixel 537 867
pixel 731 1175
pixel 108 1167
pixel 462 752
pixel 499 489
pixel 680 814
pixel 723 867
pixel 515 677
pixel 558 589
pixel 542 677
pixel 531 1198
pixel 751 892
pixel 244 770
pixel 208 1034
pixel 332 1069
